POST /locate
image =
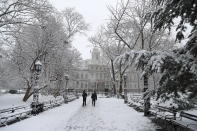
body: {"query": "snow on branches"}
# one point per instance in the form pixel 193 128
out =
pixel 178 70
pixel 146 61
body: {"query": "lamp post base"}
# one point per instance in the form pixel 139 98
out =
pixel 146 107
pixel 65 99
pixel 37 108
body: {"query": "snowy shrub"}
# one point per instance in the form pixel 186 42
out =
pixel 180 103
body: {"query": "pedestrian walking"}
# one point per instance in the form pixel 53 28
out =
pixel 84 95
pixel 94 98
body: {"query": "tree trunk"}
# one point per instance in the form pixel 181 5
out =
pixel 138 82
pixel 154 82
pixel 120 76
pixel 120 86
pixel 113 77
pixel 142 38
pixel 146 101
pixel 27 94
pixel 29 87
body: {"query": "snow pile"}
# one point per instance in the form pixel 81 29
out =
pixel 136 99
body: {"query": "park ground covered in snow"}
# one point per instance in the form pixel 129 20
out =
pixel 12 100
pixel 110 114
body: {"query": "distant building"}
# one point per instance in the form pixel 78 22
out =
pixel 91 75
pixel 94 75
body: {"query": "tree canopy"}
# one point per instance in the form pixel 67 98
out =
pixel 178 68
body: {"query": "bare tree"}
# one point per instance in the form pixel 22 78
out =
pixel 111 48
pixel 48 41
pixel 73 23
pixel 131 24
pixel 15 12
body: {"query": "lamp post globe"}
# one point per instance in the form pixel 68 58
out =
pixel 125 76
pixel 38 66
pixel 66 77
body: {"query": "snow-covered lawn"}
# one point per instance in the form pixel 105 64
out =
pixel 110 114
pixel 11 100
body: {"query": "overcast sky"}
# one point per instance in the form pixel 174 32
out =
pixel 95 13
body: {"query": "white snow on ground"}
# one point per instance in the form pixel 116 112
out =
pixel 191 123
pixel 11 100
pixel 110 114
pixel 51 120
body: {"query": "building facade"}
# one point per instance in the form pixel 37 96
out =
pixel 92 75
pixel 135 81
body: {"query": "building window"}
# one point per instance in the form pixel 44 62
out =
pixel 77 84
pixel 77 75
pixel 97 57
pixel 86 76
pixel 105 75
pixel 97 76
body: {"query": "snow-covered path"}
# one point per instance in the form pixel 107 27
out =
pixel 110 114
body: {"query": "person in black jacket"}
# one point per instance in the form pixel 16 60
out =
pixel 84 95
pixel 94 98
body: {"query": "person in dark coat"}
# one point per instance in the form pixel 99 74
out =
pixel 94 98
pixel 84 95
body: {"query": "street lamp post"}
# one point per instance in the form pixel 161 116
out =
pixel 76 94
pixel 146 99
pixel 118 85
pixel 36 106
pixel 66 89
pixel 125 89
pixel 96 86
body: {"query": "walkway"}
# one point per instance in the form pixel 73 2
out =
pixel 110 114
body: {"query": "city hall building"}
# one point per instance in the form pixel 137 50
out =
pixel 94 75
pixel 91 75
